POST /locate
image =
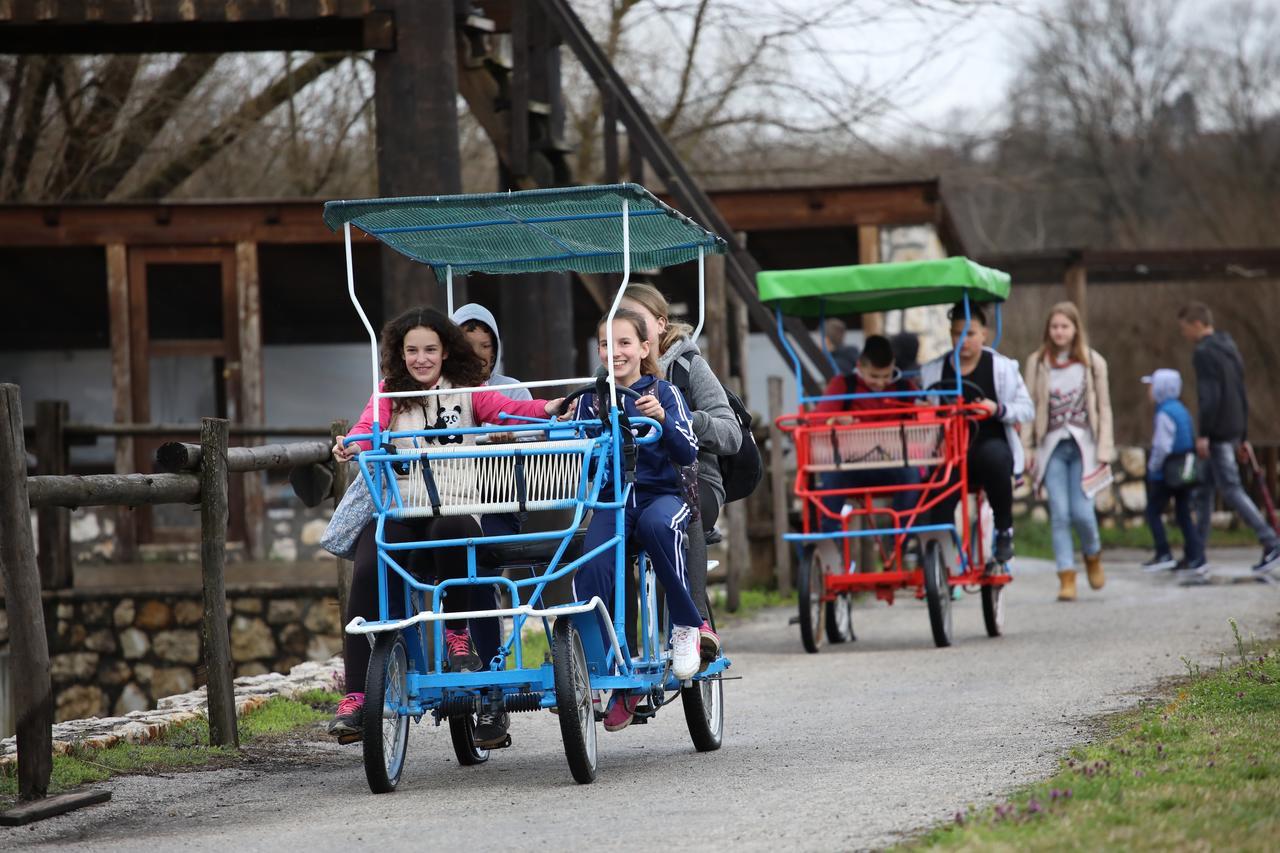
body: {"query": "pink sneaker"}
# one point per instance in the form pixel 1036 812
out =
pixel 457 644
pixel 708 644
pixel 350 717
pixel 622 710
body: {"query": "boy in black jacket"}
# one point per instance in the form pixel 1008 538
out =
pixel 1224 417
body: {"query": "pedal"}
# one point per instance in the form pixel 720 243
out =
pixel 794 620
pixel 353 737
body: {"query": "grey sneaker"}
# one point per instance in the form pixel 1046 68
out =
pixel 1270 559
pixel 1160 563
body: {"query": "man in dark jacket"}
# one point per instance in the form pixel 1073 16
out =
pixel 1224 417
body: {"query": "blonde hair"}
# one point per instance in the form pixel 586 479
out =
pixel 1080 343
pixel 656 304
pixel 648 364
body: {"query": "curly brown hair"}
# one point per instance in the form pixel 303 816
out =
pixel 462 367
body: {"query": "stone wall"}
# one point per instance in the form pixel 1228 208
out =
pixel 115 652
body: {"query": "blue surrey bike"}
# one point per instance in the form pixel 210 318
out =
pixel 538 466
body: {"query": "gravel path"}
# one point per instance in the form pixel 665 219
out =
pixel 848 749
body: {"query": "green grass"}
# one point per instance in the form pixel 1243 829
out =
pixel 1035 538
pixel 1199 771
pixel 182 747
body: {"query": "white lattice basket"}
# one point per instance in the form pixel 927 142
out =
pixel 526 477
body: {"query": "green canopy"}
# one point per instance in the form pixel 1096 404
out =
pixel 549 230
pixel 880 287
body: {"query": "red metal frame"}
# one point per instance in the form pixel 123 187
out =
pixel 954 421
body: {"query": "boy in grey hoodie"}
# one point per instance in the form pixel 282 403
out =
pixel 482 330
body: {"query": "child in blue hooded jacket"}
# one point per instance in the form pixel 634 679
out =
pixel 1173 433
pixel 656 514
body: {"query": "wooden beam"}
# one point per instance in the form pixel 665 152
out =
pixel 47 807
pixel 213 558
pixel 869 253
pixel 177 456
pixel 122 384
pixel 518 86
pixel 29 660
pixel 715 329
pixel 54 523
pixel 249 315
pixel 609 137
pixel 1076 280
pixel 120 490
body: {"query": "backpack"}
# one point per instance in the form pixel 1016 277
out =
pixel 741 471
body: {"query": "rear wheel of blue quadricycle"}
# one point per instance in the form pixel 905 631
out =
pixel 993 603
pixel 462 729
pixel 809 588
pixel 386 720
pixel 573 700
pixel 703 703
pixel 937 593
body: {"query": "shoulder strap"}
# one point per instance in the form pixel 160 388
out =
pixel 685 362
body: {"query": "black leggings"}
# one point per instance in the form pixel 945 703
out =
pixel 428 563
pixel 990 469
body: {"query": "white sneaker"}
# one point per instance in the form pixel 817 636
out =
pixel 686 656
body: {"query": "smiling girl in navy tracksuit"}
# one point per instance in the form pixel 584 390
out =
pixel 656 513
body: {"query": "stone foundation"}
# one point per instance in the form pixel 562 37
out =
pixel 114 652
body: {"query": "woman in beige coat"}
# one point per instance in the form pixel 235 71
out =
pixel 1070 439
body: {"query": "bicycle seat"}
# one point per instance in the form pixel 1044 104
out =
pixel 537 551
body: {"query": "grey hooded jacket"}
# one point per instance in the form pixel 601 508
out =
pixel 476 311
pixel 714 423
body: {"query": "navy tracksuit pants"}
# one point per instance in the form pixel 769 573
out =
pixel 657 524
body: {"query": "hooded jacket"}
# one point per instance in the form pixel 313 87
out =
pixel 1172 431
pixel 714 423
pixel 656 464
pixel 476 311
pixel 1224 408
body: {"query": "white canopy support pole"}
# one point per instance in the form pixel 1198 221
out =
pixel 702 293
pixel 364 318
pixel 617 299
pixel 448 281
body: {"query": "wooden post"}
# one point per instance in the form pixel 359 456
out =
pixel 715 330
pixel 518 88
pixel 32 691
pixel 1076 281
pixel 249 306
pixel 122 385
pixel 739 557
pixel 781 492
pixel 213 558
pixel 609 106
pixel 341 480
pixel 869 253
pixel 54 523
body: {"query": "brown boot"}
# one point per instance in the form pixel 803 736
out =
pixel 1067 590
pixel 1093 567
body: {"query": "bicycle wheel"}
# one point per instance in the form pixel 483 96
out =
pixel 809 584
pixel 937 594
pixel 573 699
pixel 993 606
pixel 386 721
pixel 839 618
pixel 703 703
pixel 461 731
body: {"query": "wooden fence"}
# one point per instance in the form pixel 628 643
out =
pixel 197 474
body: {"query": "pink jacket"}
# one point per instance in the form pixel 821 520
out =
pixel 485 408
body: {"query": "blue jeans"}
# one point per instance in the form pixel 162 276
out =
pixel 902 501
pixel 1158 495
pixel 1068 505
pixel 1222 473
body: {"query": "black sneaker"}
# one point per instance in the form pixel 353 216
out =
pixel 1003 552
pixel 1270 558
pixel 462 658
pixel 1160 563
pixel 491 729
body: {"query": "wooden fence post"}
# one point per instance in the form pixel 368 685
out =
pixel 739 554
pixel 32 691
pixel 778 482
pixel 341 480
pixel 54 553
pixel 213 558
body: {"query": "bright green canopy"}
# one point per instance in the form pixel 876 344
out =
pixel 880 287
pixel 548 230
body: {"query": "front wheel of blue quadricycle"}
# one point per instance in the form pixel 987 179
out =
pixel 462 729
pixel 703 703
pixel 386 721
pixel 573 699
